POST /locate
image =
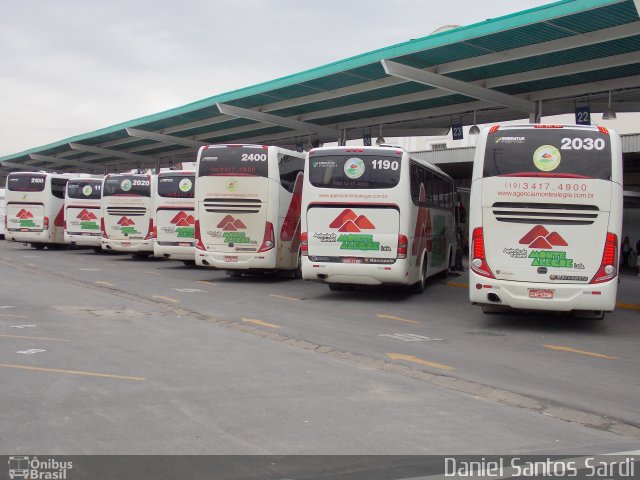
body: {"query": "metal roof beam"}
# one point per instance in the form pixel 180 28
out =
pixel 111 153
pixel 456 86
pixel 276 120
pixel 61 161
pixel 20 166
pixel 160 137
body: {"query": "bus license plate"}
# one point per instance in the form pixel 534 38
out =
pixel 126 244
pixel 184 244
pixel 540 293
pixel 231 259
pixel 351 260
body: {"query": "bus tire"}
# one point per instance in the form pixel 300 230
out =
pixel 421 284
pixel 38 246
pixel 140 255
pixel 233 273
pixel 189 263
pixel 97 249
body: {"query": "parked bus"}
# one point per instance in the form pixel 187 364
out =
pixel 248 208
pixel 546 217
pixel 35 208
pixel 127 213
pixel 3 219
pixel 375 215
pixel 82 211
pixel 175 222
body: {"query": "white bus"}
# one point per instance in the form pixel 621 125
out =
pixel 35 208
pixel 546 217
pixel 375 215
pixel 248 208
pixel 82 211
pixel 127 213
pixel 175 223
pixel 3 219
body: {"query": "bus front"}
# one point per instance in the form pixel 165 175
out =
pixel 355 216
pixel 237 207
pixel 175 222
pixel 26 208
pixel 546 218
pixel 82 212
pixel 127 213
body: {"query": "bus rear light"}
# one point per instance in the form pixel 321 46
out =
pixel 603 130
pixel 609 265
pixel 103 228
pixel 269 238
pixel 196 234
pixel 494 129
pixel 304 244
pixel 403 242
pixel 45 223
pixel 479 261
pixel 151 233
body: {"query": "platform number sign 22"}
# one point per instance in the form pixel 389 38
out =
pixel 583 115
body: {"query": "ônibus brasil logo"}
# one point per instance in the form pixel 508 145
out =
pixel 230 227
pixel 127 226
pixel 184 225
pixel 88 220
pixel 350 225
pixel 26 219
pixel 540 238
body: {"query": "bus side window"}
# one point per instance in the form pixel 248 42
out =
pixel 289 167
pixel 58 186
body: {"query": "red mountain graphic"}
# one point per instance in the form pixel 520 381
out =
pixel 364 223
pixel 230 224
pixel 24 214
pixel 190 220
pixel 225 221
pixel 349 226
pixel 183 220
pixel 547 155
pixel 238 224
pixel 182 223
pixel 539 237
pixel 125 222
pixel 340 220
pixel 86 216
pixel 178 217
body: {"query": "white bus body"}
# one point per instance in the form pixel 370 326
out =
pixel 35 208
pixel 546 218
pixel 174 219
pixel 2 217
pixel 82 211
pixel 127 213
pixel 248 208
pixel 374 215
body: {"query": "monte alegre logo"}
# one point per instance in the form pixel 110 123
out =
pixel 26 219
pixel 127 226
pixel 184 225
pixel 351 225
pixel 230 227
pixel 540 238
pixel 88 220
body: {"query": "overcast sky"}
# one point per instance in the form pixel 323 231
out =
pixel 70 67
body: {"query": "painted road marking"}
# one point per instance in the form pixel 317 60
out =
pixel 459 285
pixel 151 272
pixel 628 306
pixel 37 338
pixel 22 326
pixel 260 322
pixel 420 361
pixel 106 284
pixel 207 282
pixel 31 351
pixel 397 319
pixel 70 372
pixel 189 290
pixel 581 352
pixel 409 337
pixel 89 269
pixel 284 297
pixel 13 316
pixel 7 306
pixel 166 299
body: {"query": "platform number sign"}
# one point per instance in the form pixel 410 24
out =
pixel 366 139
pixel 456 131
pixel 299 146
pixel 583 115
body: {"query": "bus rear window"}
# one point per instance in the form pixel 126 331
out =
pixel 26 182
pixel 138 185
pixel 561 152
pixel 354 171
pixel 84 189
pixel 176 186
pixel 224 161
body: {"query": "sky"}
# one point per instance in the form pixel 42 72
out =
pixel 71 67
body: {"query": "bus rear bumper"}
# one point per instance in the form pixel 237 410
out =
pixel 356 274
pixel 28 237
pixel 173 252
pixel 566 297
pixel 237 261
pixel 83 240
pixel 129 246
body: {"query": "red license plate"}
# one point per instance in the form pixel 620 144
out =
pixel 540 293
pixel 126 244
pixel 351 260
pixel 184 244
pixel 231 259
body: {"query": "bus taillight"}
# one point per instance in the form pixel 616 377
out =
pixel 403 242
pixel 151 234
pixel 479 261
pixel 304 244
pixel 608 267
pixel 103 229
pixel 196 234
pixel 45 224
pixel 269 238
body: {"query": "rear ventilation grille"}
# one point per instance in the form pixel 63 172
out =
pixel 130 211
pixel 236 205
pixel 545 213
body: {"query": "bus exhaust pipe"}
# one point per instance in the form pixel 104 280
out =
pixel 492 297
pixel 322 276
pixel 204 262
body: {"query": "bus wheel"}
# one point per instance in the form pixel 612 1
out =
pixel 233 273
pixel 141 255
pixel 338 287
pixel 421 284
pixel 97 249
pixel 297 273
pixel 38 246
pixel 189 263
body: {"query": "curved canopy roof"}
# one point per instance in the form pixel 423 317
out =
pixel 551 58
